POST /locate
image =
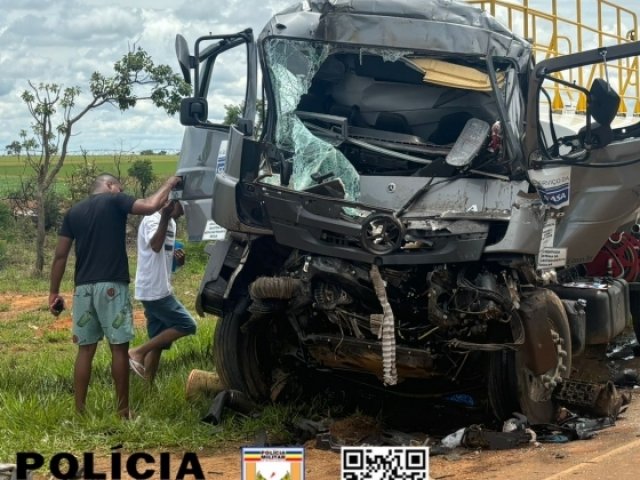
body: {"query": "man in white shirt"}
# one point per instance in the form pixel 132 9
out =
pixel 167 319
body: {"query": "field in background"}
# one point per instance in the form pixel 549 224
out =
pixel 13 168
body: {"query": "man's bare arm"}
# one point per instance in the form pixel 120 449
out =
pixel 154 202
pixel 58 267
pixel 157 240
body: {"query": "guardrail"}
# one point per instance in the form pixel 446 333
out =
pixel 572 26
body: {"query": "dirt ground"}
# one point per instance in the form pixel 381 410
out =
pixel 611 454
pixel 15 304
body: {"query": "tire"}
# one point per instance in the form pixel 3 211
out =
pixel 512 387
pixel 228 357
pixel 256 343
pixel 243 351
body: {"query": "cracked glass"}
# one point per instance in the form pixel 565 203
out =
pixel 292 66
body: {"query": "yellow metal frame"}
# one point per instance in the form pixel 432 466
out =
pixel 553 35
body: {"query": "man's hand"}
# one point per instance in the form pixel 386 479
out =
pixel 180 256
pixel 167 210
pixel 174 181
pixel 56 304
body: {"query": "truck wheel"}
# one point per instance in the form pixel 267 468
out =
pixel 228 357
pixel 256 343
pixel 512 387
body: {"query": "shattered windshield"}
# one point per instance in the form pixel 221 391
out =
pixel 292 65
pixel 344 112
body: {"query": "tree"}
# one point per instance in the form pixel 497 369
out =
pixel 142 171
pixel 234 112
pixel 55 113
pixel 14 148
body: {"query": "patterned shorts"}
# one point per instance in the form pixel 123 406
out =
pixel 102 310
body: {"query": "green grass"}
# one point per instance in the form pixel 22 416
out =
pixel 12 168
pixel 36 390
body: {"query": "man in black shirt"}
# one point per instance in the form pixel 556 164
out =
pixel 101 306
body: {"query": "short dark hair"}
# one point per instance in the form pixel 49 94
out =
pixel 102 179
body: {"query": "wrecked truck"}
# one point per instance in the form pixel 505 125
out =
pixel 406 214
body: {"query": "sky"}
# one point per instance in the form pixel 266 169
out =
pixel 65 41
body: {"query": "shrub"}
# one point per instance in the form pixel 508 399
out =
pixel 6 220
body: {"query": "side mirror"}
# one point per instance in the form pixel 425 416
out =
pixel 184 57
pixel 193 111
pixel 603 102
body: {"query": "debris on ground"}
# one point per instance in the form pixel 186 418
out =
pixel 627 378
pixel 593 399
pixel 233 399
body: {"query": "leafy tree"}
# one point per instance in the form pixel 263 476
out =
pixel 14 148
pixel 55 112
pixel 146 152
pixel 142 171
pixel 234 112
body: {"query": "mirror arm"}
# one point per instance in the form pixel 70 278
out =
pixel 543 74
pixel 587 137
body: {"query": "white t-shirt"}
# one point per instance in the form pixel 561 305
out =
pixel 153 275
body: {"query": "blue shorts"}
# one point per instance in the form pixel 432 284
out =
pixel 167 313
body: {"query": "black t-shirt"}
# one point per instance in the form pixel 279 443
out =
pixel 98 226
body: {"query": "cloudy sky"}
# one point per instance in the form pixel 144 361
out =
pixel 65 41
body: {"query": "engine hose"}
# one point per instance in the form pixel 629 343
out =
pixel 282 288
pixel 505 302
pixel 495 347
pixel 390 374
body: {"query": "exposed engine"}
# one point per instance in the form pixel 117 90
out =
pixel 432 311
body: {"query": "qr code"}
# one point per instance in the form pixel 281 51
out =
pixel 385 463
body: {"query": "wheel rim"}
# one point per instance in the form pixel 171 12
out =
pixel 512 386
pixel 535 391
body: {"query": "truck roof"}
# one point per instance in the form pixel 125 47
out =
pixel 440 26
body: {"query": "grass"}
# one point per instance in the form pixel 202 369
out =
pixel 36 390
pixel 12 168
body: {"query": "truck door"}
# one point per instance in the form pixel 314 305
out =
pixel 224 74
pixel 583 148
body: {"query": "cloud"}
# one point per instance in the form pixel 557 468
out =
pixel 6 86
pixel 67 40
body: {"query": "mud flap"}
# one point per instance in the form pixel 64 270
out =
pixel 224 258
pixel 539 350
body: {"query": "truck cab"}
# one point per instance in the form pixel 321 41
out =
pixel 407 202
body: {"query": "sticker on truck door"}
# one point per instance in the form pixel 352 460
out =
pixel 548 256
pixel 222 156
pixel 213 231
pixel 553 185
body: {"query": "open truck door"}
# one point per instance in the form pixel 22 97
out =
pixel 206 144
pixel 584 165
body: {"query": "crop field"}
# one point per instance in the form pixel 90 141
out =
pixel 14 168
